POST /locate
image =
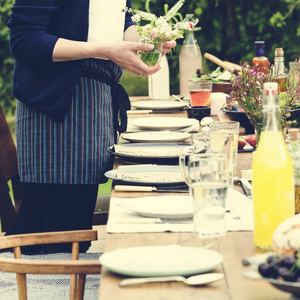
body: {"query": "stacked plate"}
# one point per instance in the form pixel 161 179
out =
pixel 164 136
pixel 148 153
pixel 159 105
pixel 154 140
pixel 164 123
pixel 157 175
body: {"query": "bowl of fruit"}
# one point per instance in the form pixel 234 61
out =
pixel 247 143
pixel 282 272
pixel 281 268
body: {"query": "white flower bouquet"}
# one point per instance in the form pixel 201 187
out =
pixel 171 26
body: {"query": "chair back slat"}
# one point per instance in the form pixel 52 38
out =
pixel 12 241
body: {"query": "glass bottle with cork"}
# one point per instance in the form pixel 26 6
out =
pixel 294 150
pixel 279 71
pixel 260 62
pixel 190 58
pixel 273 184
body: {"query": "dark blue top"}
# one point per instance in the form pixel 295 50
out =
pixel 35 26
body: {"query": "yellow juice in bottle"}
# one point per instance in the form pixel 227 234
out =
pixel 273 187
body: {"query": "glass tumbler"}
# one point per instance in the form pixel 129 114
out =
pixel 228 126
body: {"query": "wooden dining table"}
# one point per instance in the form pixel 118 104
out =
pixel 235 246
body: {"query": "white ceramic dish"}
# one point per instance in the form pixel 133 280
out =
pixel 167 207
pixel 148 150
pixel 156 136
pixel 161 123
pixel 158 105
pixel 161 260
pixel 136 174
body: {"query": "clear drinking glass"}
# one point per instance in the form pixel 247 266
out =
pixel 208 143
pixel 208 187
pixel 228 126
pixel 200 92
pixel 151 57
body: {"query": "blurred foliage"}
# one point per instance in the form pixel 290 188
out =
pixel 7 100
pixel 229 30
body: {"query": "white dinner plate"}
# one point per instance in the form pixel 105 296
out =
pixel 169 207
pixel 148 175
pixel 148 150
pixel 161 260
pixel 155 136
pixel 161 123
pixel 158 105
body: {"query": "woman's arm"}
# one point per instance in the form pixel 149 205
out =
pixel 28 24
pixel 122 53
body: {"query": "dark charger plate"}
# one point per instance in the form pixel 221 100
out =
pixel 170 160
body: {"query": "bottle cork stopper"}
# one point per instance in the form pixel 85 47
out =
pixel 279 52
pixel 293 134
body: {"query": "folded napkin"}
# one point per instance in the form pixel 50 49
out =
pixel 158 177
pixel 122 219
pixel 242 206
pixel 148 151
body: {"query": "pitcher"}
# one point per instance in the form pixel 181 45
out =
pixel 209 142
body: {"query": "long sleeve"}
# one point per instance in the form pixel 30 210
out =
pixel 29 22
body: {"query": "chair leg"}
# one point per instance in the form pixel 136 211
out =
pixel 21 278
pixel 22 286
pixel 80 287
pixel 73 280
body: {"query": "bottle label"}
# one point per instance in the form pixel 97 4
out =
pixel 273 92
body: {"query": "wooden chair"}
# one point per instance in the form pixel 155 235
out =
pixel 9 171
pixel 77 268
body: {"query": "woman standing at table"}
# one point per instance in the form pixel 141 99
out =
pixel 69 57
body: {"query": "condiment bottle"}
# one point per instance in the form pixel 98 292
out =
pixel 279 71
pixel 260 62
pixel 273 186
pixel 190 59
pixel 294 150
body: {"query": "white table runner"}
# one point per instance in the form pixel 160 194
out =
pixel 122 220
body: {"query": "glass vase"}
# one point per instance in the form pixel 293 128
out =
pixel 151 57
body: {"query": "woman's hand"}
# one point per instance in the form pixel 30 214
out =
pixel 124 54
pixel 168 45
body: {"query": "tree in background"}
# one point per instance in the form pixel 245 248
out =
pixel 7 100
pixel 229 30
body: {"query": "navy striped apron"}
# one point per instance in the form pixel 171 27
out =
pixel 74 151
